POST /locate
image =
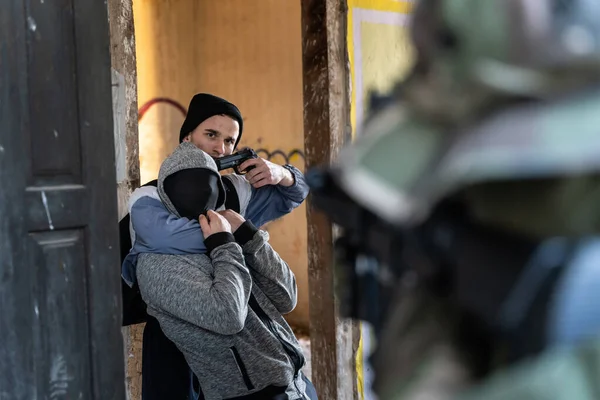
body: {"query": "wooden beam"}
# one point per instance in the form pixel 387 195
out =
pixel 125 114
pixel 326 129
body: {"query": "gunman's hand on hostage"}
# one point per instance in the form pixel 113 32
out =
pixel 234 219
pixel 213 223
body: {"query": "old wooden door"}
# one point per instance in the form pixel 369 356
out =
pixel 59 294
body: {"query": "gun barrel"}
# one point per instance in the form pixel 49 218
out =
pixel 235 159
pixel 229 163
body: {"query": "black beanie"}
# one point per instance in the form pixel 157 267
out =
pixel 202 107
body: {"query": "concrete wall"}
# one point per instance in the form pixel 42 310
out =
pixel 124 83
pixel 246 51
pixel 380 54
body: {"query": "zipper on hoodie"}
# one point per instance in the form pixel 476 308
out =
pixel 296 358
pixel 242 368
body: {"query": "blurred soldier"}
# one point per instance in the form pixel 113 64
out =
pixel 470 207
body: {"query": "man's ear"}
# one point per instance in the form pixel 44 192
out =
pixel 187 138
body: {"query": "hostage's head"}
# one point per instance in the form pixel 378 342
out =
pixel 189 183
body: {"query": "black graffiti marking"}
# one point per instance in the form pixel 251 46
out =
pixel 270 155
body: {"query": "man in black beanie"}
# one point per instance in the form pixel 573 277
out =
pixel 215 125
pixel 213 113
pixel 267 192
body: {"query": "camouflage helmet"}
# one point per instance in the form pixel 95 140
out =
pixel 477 52
pixel 401 166
pixel 502 38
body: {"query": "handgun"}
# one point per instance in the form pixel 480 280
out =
pixel 235 160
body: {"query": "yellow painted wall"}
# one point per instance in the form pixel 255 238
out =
pixel 248 52
pixel 379 49
pixel 380 55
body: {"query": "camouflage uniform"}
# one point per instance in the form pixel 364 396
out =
pixel 501 113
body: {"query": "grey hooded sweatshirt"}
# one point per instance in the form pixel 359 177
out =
pixel 223 309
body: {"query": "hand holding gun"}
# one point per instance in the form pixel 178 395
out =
pixel 234 160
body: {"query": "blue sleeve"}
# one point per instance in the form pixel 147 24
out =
pixel 159 231
pixel 269 203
